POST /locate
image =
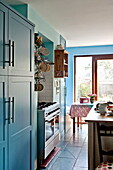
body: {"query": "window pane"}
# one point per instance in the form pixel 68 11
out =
pixel 83 76
pixel 105 80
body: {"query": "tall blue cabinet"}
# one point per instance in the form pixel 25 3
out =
pixel 16 90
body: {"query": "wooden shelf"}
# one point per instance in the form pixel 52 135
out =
pixel 61 64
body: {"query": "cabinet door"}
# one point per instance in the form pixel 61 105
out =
pixel 21 36
pixel 20 129
pixel 3 123
pixel 3 39
pixel 59 64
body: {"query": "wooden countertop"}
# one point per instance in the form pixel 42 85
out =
pixel 94 116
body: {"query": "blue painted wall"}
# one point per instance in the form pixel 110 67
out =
pixel 76 51
pixel 48 33
pixel 22 9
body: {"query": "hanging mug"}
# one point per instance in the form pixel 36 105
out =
pixel 39 87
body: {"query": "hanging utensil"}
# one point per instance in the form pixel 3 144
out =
pixel 42 66
pixel 48 67
pixel 39 86
pixel 43 51
pixel 39 75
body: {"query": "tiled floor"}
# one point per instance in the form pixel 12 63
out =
pixel 73 154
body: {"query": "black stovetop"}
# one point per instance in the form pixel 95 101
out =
pixel 42 105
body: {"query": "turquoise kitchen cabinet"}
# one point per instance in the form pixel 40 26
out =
pixel 20 35
pixel 16 101
pixel 3 39
pixel 20 127
pixel 3 123
pixel 16 39
pixel 16 90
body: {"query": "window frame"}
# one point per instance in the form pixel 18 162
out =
pixel 95 58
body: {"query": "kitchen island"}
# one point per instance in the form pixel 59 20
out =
pixel 93 119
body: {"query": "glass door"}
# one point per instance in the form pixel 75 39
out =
pixel 83 81
pixel 105 80
pixel 94 74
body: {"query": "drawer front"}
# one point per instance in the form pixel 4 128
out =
pixel 48 149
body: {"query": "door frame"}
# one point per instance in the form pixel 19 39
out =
pixel 94 71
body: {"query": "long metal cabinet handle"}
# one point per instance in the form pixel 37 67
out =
pixel 13 47
pixel 4 104
pixel 9 52
pixel 9 106
pixel 9 44
pixel 9 110
pixel 13 112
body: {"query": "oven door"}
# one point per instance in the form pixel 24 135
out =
pixel 49 129
pixel 51 132
pixel 56 125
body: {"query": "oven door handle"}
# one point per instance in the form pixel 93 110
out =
pixel 58 114
pixel 49 119
pixel 52 117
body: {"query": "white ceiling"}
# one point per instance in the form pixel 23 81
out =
pixel 80 22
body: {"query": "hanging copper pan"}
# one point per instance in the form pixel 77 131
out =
pixel 42 66
pixel 48 67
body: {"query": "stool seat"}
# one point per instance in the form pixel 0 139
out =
pixel 105 166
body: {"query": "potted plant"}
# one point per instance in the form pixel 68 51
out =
pixel 92 97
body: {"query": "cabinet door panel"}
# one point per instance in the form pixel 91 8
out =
pixel 20 129
pixel 3 39
pixel 20 150
pixel 3 124
pixel 2 160
pixel 21 33
pixel 20 89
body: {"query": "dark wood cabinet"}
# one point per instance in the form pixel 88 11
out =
pixel 16 90
pixel 61 64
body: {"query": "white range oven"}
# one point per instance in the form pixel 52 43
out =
pixel 47 129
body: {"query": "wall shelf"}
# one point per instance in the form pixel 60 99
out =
pixel 61 64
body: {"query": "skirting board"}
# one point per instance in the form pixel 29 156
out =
pixel 50 157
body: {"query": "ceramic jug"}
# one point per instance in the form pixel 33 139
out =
pixel 103 108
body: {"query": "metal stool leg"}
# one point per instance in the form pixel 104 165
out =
pixel 73 124
pixel 77 121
